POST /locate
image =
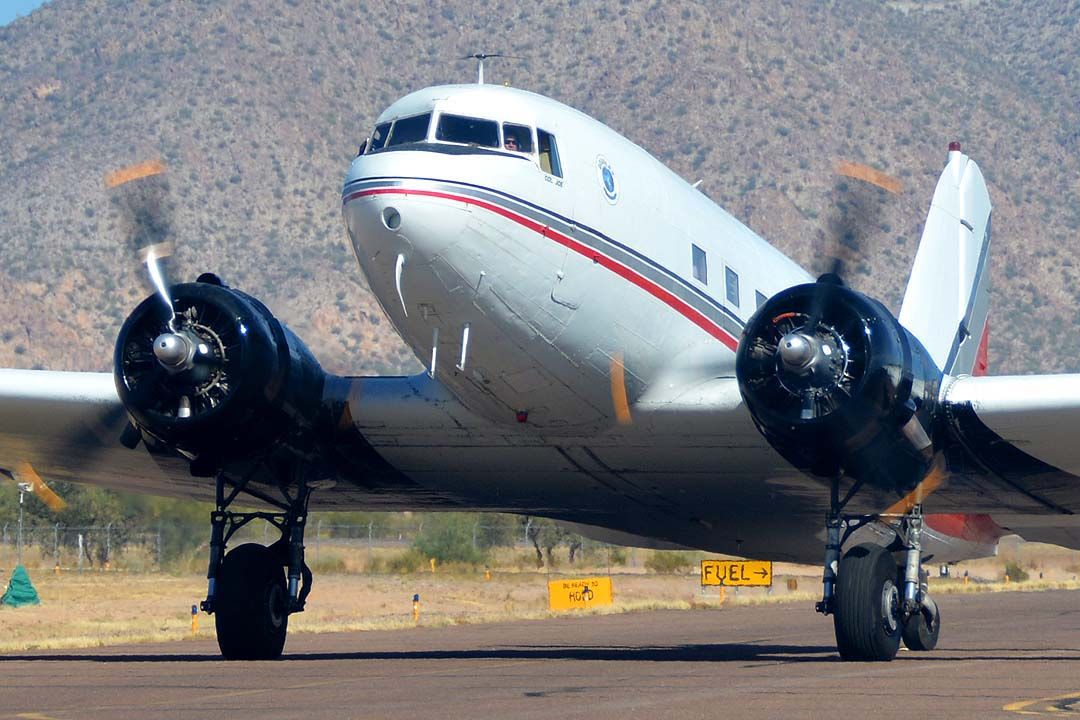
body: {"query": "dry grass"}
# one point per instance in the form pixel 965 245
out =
pixel 98 608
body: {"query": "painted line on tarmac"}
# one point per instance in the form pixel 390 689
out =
pixel 1057 705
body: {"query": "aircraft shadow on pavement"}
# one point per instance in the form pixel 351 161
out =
pixel 674 653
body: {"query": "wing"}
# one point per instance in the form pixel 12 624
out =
pixel 68 426
pixel 1022 431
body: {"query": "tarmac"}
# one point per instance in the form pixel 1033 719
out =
pixel 1001 655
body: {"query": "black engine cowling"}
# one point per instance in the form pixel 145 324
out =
pixel 237 384
pixel 838 386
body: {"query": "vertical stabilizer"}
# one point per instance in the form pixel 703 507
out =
pixel 947 301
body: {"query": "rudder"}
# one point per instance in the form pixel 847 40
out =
pixel 947 301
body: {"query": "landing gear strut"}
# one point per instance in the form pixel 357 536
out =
pixel 247 590
pixel 922 618
pixel 874 601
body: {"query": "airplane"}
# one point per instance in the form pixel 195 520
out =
pixel 604 346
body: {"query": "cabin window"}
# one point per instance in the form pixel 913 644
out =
pixel 549 153
pixel 731 283
pixel 378 138
pixel 759 298
pixel 409 130
pixel 701 266
pixel 468 131
pixel 517 138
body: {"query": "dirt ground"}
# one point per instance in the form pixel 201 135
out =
pixel 95 608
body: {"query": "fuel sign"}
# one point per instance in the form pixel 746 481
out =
pixel 736 573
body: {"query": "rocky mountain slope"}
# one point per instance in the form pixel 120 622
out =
pixel 257 108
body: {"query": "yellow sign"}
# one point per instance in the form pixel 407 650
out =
pixel 579 594
pixel 736 573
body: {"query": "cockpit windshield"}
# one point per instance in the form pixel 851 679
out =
pixel 467 130
pixel 378 138
pixel 409 130
pixel 460 130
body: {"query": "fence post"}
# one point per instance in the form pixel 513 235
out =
pixel 56 544
pixel 108 546
pixel 475 527
pixel 80 552
pixel 369 528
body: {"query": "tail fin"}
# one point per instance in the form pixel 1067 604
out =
pixel 947 302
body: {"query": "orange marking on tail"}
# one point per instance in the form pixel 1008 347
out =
pixel 134 172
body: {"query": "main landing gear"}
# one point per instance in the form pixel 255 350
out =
pixel 876 603
pixel 253 589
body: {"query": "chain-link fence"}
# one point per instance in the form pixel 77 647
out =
pixel 80 548
pixel 184 545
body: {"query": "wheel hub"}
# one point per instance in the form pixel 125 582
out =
pixel 890 606
pixel 277 603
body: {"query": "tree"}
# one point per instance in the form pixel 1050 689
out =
pixel 546 535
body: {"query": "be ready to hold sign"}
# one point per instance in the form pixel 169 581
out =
pixel 580 593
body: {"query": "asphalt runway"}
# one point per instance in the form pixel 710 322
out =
pixel 1001 655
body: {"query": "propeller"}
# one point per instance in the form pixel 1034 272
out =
pixel 171 356
pixel 857 206
pixel 142 193
pixel 818 362
pixel 25 475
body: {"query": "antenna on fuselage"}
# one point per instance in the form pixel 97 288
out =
pixel 480 58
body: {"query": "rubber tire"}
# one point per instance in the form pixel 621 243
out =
pixel 866 574
pixel 918 635
pixel 250 604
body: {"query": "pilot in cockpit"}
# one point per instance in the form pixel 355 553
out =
pixel 511 142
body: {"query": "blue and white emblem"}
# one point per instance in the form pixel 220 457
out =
pixel 607 179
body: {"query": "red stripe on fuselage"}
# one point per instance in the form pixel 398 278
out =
pixel 662 294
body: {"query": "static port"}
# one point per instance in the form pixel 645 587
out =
pixel 391 218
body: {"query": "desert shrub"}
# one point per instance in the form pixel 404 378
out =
pixel 450 538
pixel 327 564
pixel 668 561
pixel 409 561
pixel 1015 572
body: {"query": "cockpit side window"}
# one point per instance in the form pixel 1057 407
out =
pixel 409 130
pixel 517 138
pixel 467 130
pixel 378 138
pixel 549 153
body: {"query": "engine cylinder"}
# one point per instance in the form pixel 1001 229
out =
pixel 223 381
pixel 838 386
